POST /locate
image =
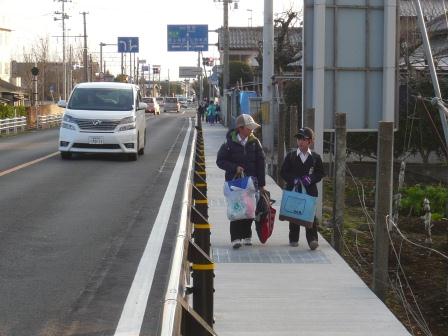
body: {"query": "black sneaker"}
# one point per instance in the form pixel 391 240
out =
pixel 313 245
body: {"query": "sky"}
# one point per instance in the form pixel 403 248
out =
pixel 147 19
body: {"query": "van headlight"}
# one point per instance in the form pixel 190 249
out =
pixel 69 118
pixel 128 124
pixel 68 126
pixel 66 119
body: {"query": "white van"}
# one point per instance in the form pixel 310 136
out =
pixel 171 104
pixel 103 117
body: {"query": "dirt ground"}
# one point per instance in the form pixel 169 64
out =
pixel 418 291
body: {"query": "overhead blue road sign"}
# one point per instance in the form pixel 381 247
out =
pixel 187 37
pixel 127 44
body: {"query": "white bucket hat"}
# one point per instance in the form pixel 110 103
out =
pixel 247 121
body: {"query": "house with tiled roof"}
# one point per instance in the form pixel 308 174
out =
pixel 245 43
pixel 11 94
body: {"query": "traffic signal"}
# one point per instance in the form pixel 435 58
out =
pixel 34 71
pixel 207 61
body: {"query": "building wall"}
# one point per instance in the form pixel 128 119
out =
pixel 5 49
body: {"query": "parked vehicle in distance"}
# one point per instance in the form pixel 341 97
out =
pixel 182 101
pixel 160 101
pixel 103 117
pixel 171 104
pixel 153 105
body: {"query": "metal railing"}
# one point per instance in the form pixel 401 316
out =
pixel 12 125
pixel 50 120
pixel 179 318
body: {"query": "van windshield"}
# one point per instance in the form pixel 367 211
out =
pixel 171 100
pixel 101 99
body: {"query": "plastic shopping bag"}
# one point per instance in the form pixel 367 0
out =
pixel 240 196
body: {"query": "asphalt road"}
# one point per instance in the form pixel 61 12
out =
pixel 72 232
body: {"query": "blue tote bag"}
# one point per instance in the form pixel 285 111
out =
pixel 298 207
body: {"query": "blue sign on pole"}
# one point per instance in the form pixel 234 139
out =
pixel 127 44
pixel 187 37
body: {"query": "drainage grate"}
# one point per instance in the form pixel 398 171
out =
pixel 268 256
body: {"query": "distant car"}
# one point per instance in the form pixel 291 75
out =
pixel 161 101
pixel 171 104
pixel 103 117
pixel 153 105
pixel 183 101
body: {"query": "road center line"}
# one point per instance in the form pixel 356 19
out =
pixel 131 318
pixel 27 164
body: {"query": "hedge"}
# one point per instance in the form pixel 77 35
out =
pixel 7 111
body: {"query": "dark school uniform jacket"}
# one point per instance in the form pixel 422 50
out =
pixel 251 157
pixel 293 168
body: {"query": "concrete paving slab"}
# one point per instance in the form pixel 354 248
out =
pixel 273 289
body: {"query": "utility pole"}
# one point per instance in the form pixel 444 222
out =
pixel 268 72
pixel 70 66
pixel 168 82
pixel 86 73
pixel 226 72
pixel 91 66
pixel 63 17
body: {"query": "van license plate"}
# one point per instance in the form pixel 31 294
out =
pixel 96 140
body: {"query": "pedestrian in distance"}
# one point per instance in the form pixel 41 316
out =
pixel 218 113
pixel 242 153
pixel 303 167
pixel 201 111
pixel 211 112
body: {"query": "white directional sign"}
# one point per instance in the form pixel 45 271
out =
pixel 189 72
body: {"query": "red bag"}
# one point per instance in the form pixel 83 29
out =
pixel 264 217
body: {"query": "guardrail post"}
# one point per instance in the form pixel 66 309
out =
pixel 201 226
pixel 203 274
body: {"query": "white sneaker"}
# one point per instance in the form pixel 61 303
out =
pixel 247 241
pixel 236 244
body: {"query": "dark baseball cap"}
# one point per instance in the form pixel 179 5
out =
pixel 305 132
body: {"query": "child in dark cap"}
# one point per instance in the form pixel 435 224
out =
pixel 302 167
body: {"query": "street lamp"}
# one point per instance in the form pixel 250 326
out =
pixel 102 44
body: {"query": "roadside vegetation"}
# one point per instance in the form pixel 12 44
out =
pixel 418 270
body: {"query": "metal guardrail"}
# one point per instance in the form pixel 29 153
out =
pixel 179 318
pixel 12 125
pixel 50 120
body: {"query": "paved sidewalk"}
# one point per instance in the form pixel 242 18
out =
pixel 275 289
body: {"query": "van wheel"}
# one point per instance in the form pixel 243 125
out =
pixel 66 155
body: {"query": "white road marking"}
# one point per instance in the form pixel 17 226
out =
pixel 24 165
pixel 134 308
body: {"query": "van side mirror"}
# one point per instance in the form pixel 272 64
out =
pixel 62 103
